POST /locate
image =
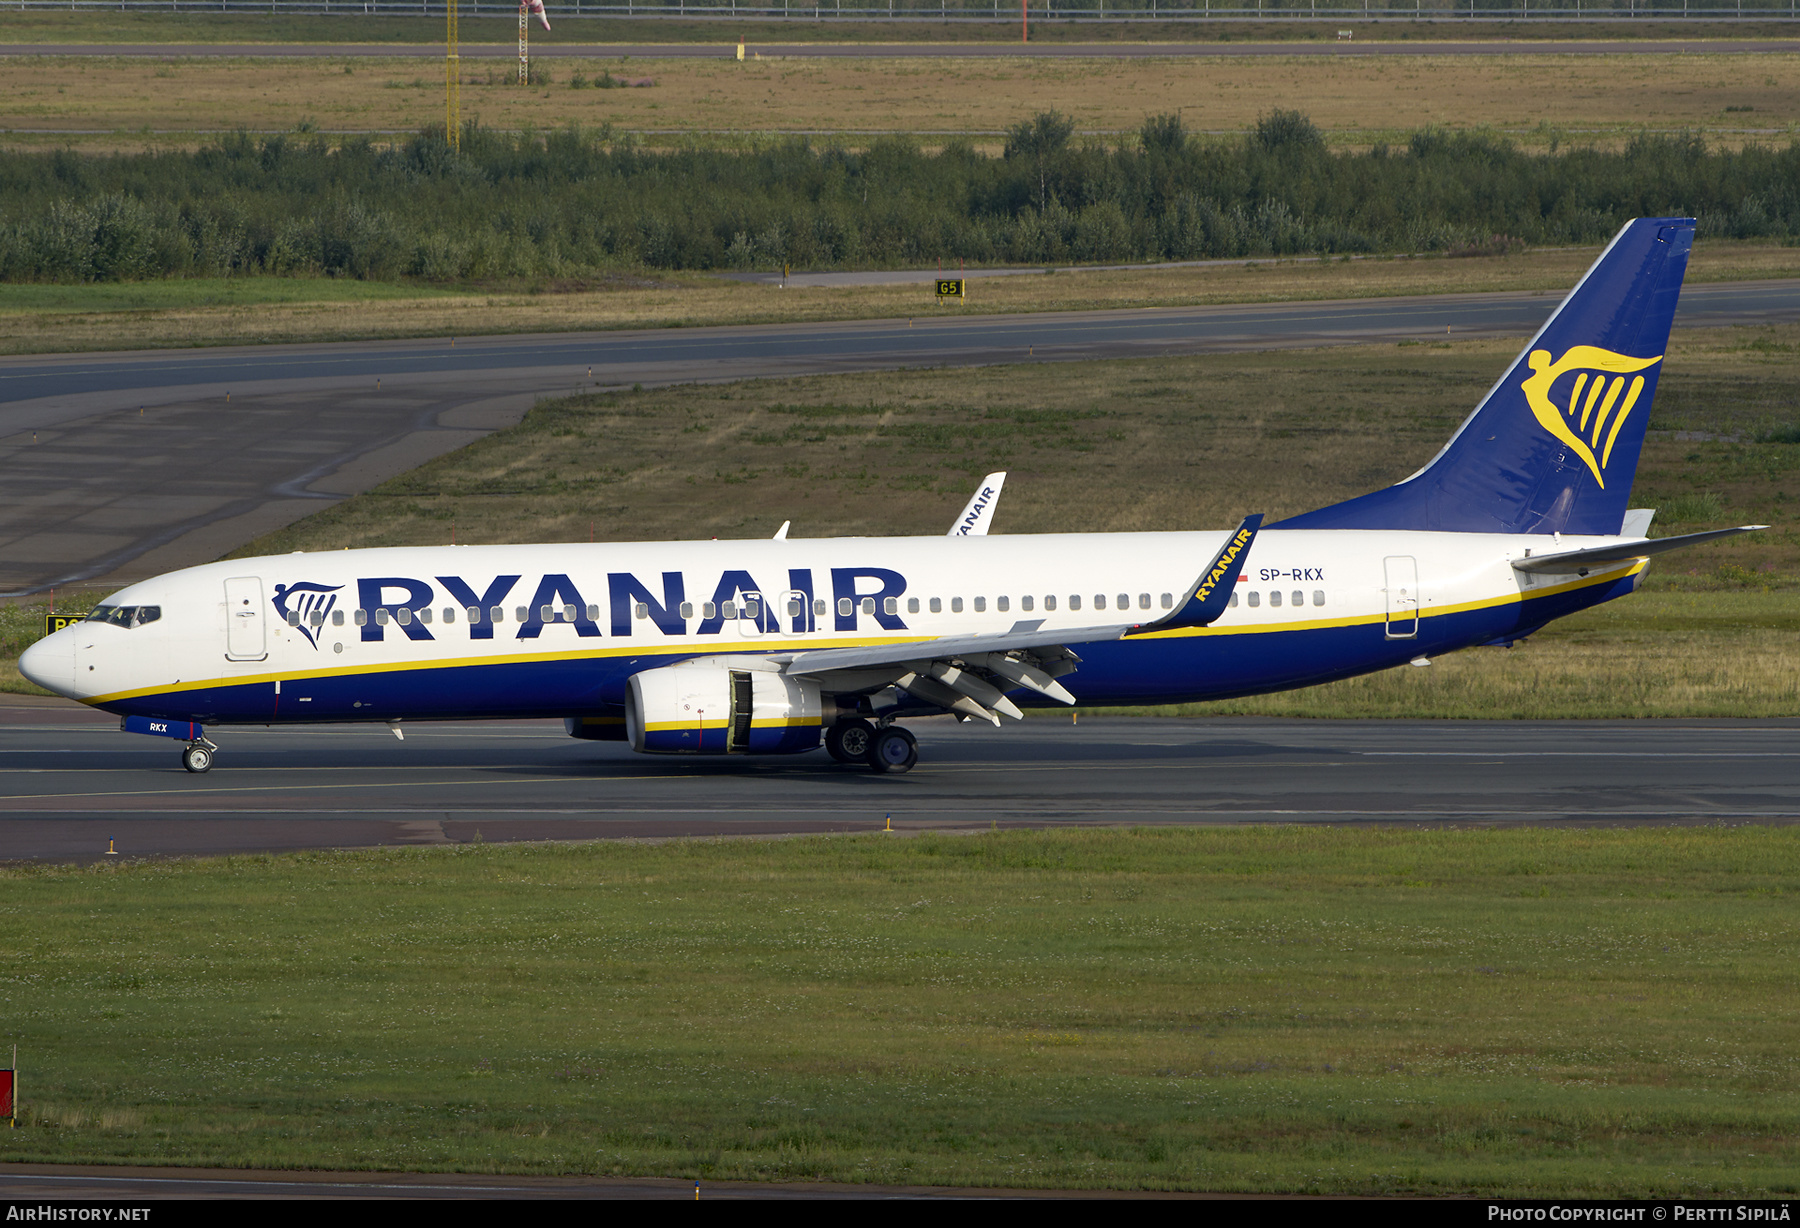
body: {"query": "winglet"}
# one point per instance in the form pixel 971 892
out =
pixel 1211 593
pixel 781 533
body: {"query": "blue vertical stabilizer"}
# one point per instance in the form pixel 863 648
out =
pixel 1553 447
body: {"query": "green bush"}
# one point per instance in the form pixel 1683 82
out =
pixel 570 202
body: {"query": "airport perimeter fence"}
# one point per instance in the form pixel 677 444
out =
pixel 999 10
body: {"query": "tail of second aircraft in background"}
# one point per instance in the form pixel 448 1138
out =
pixel 978 513
pixel 1553 447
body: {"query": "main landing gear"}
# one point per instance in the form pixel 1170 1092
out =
pixel 849 741
pixel 887 748
pixel 198 756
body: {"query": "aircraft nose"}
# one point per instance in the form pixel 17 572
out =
pixel 51 663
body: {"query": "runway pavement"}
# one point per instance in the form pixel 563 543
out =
pixel 726 48
pixel 70 783
pixel 122 466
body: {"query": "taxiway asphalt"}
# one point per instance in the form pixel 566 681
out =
pixel 70 783
pixel 126 465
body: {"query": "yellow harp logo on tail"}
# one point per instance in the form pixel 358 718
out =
pixel 1605 389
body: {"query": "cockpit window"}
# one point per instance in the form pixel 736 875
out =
pixel 125 615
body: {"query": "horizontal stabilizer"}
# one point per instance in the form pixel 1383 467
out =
pixel 1580 562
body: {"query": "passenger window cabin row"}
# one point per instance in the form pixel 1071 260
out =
pixel 1297 598
pixel 746 609
pixel 405 617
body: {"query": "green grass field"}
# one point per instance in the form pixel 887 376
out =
pixel 1524 1012
pixel 55 318
pixel 202 292
pixel 204 27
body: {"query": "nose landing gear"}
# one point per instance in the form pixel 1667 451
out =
pixel 197 756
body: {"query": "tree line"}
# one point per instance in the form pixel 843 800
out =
pixel 573 202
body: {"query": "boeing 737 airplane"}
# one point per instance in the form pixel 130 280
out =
pixel 779 646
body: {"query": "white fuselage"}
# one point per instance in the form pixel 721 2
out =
pixel 559 628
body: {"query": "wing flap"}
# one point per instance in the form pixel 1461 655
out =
pixel 1023 637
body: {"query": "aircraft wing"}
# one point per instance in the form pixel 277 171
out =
pixel 1580 562
pixel 1023 637
pixel 970 674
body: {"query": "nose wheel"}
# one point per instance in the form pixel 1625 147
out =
pixel 198 757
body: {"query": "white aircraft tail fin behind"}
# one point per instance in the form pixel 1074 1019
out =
pixel 979 513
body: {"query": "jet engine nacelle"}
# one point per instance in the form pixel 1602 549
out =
pixel 701 708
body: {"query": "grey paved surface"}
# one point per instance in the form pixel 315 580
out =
pixel 726 48
pixel 121 466
pixel 67 787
